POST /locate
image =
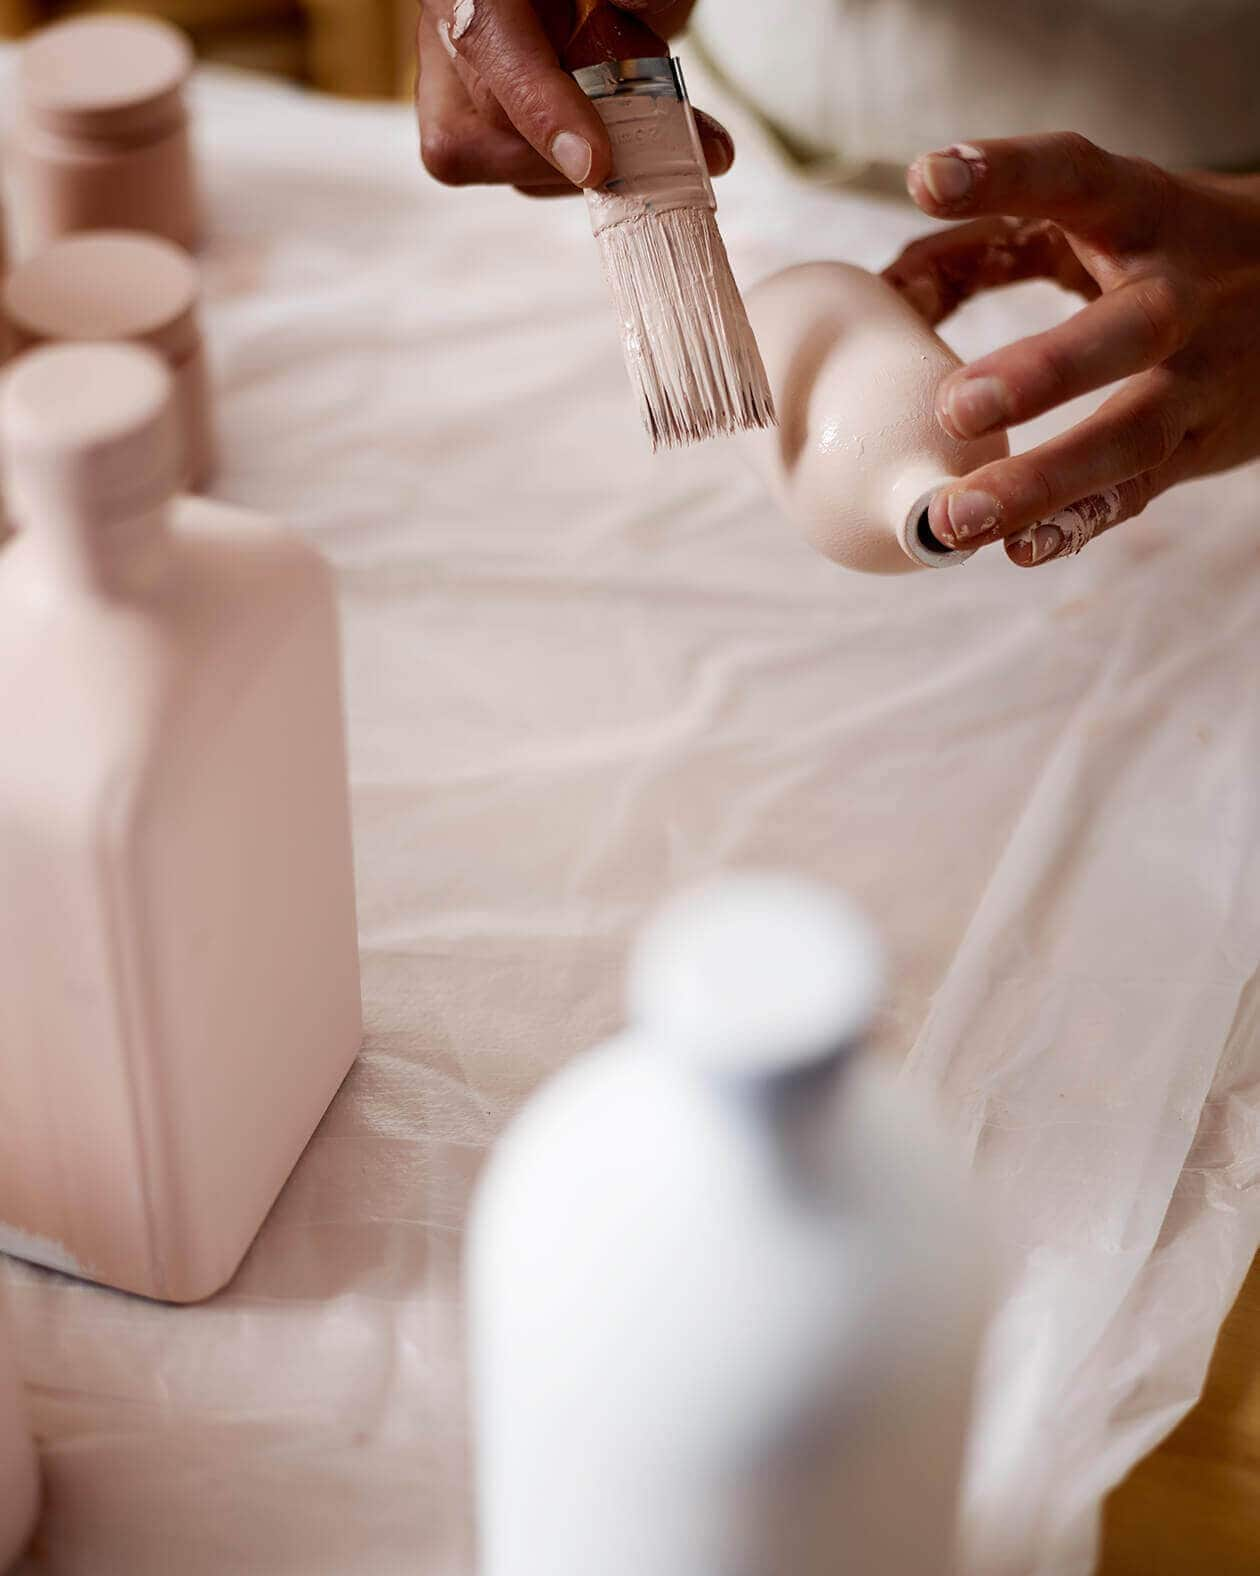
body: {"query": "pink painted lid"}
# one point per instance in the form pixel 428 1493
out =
pixel 107 284
pixel 108 76
pixel 88 435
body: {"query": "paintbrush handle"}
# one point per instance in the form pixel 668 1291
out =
pixel 602 32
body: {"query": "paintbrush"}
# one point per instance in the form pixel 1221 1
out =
pixel 688 345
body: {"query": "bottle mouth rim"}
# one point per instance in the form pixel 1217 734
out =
pixel 921 543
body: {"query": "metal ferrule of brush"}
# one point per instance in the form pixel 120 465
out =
pixel 658 163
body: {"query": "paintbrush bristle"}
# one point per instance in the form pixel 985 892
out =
pixel 688 345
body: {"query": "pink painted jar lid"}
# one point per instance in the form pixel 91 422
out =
pixel 107 284
pixel 87 433
pixel 105 76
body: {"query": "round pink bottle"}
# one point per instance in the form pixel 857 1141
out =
pixel 858 452
pixel 118 285
pixel 102 135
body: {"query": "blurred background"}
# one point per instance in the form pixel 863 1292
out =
pixel 358 48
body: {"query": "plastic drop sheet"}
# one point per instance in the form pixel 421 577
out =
pixel 579 676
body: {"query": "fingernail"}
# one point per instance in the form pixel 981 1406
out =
pixel 572 156
pixel 1036 545
pixel 976 406
pixel 947 176
pixel 970 514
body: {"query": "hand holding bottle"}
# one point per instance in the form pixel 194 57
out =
pixel 1171 266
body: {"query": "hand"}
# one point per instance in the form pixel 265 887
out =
pixel 495 104
pixel 1172 266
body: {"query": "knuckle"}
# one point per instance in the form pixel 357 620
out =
pixel 443 154
pixel 1165 306
pixel 530 110
pixel 1152 439
pixel 1051 373
pixel 1156 194
pixel 1038 496
pixel 1133 498
pixel 1089 166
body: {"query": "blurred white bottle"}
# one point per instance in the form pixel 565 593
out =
pixel 727 1286
pixel 19 1478
pixel 179 989
pixel 858 451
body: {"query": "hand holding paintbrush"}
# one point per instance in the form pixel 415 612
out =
pixel 494 102
pixel 687 343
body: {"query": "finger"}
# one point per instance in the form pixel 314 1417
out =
pixel 1060 176
pixel 1073 528
pixel 504 42
pixel 1137 430
pixel 457 146
pixel 561 189
pixel 718 151
pixel 717 143
pixel 1129 330
pixel 938 272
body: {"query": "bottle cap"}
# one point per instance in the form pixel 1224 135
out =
pixel 107 284
pixel 105 76
pixel 87 435
pixel 756 975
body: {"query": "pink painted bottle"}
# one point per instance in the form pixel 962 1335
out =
pixel 101 141
pixel 19 1474
pixel 179 988
pixel 858 452
pixel 121 285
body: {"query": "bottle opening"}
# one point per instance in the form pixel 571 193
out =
pixel 920 541
pixel 927 537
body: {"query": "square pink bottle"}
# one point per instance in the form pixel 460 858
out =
pixel 179 987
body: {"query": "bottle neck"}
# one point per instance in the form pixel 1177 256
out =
pixel 798 1111
pixel 908 502
pixel 117 560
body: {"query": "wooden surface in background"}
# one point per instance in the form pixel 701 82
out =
pixel 357 48
pixel 1192 1508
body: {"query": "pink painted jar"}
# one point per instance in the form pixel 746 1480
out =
pixel 122 286
pixel 102 138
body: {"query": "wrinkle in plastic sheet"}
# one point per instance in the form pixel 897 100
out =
pixel 578 676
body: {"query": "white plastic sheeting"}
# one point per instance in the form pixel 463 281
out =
pixel 580 676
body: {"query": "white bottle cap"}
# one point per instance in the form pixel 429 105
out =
pixel 756 974
pixel 87 435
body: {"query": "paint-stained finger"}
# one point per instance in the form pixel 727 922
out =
pixel 1139 429
pixel 505 43
pixel 1127 331
pixel 1060 176
pixel 938 272
pixel 457 146
pixel 718 154
pixel 1067 532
